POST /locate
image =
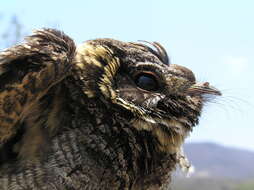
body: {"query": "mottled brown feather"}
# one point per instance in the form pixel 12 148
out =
pixel 28 72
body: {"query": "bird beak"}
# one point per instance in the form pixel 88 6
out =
pixel 203 88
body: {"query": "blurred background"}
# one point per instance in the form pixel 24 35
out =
pixel 215 39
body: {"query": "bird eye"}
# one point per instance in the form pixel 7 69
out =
pixel 146 81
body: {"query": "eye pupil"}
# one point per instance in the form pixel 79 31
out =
pixel 147 82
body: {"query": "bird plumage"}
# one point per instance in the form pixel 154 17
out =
pixel 105 115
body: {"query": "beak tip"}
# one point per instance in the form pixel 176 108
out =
pixel 219 93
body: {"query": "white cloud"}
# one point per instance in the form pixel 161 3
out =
pixel 236 65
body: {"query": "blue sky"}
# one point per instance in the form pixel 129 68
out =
pixel 215 39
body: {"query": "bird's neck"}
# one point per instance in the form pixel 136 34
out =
pixel 104 138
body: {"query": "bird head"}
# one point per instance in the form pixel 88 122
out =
pixel 163 98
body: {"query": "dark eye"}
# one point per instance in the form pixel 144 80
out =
pixel 146 81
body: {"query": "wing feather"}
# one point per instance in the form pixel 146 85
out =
pixel 28 71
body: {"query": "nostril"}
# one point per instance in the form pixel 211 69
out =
pixel 206 84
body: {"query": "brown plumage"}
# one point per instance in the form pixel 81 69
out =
pixel 107 115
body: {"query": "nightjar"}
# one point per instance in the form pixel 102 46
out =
pixel 105 115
